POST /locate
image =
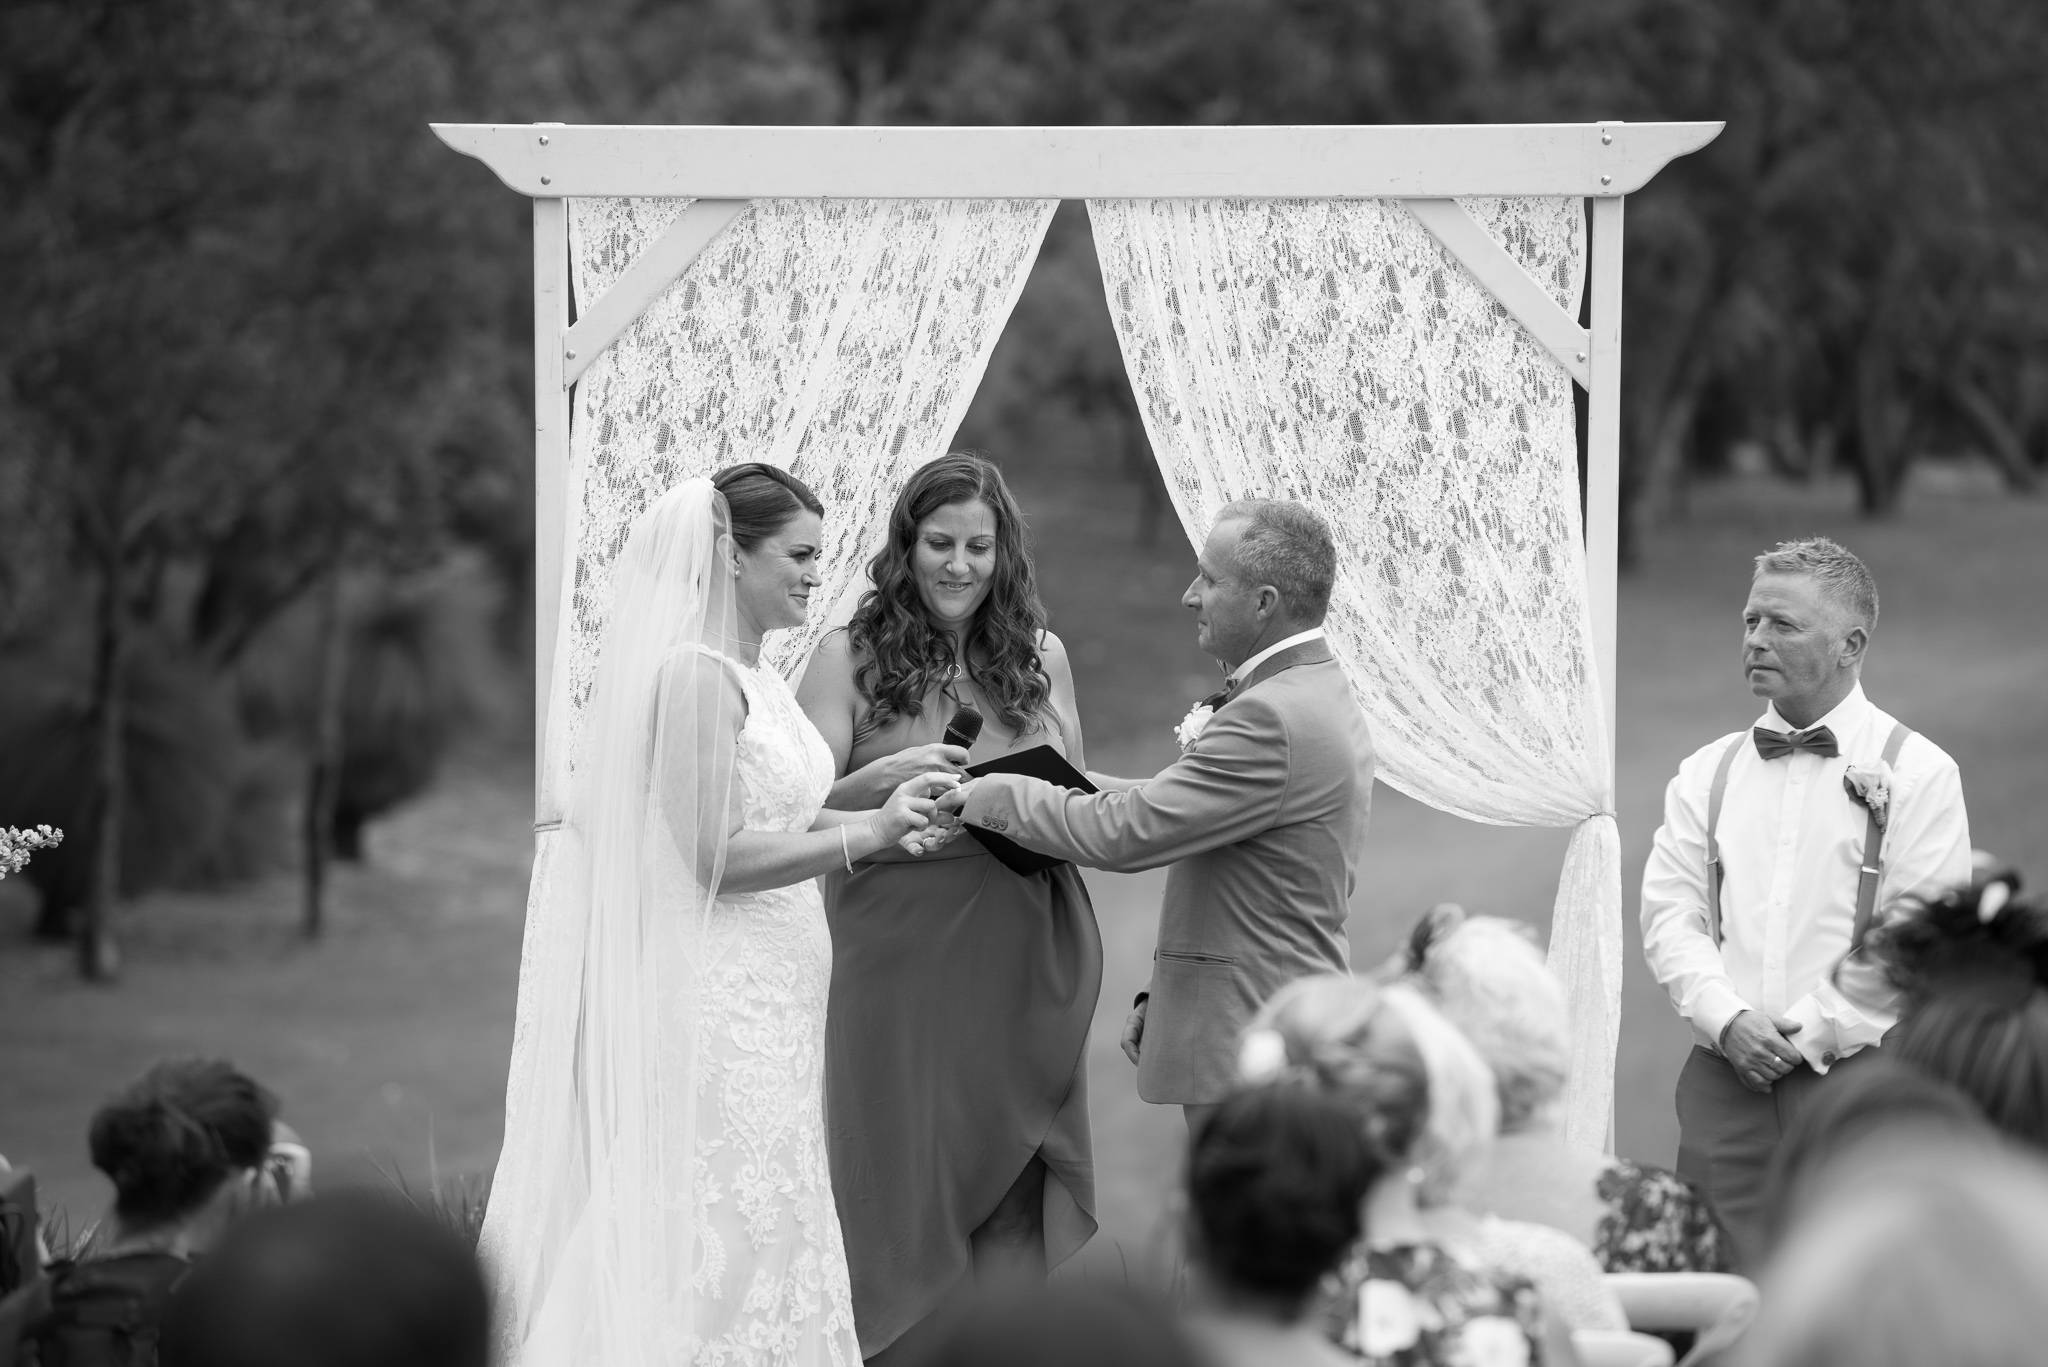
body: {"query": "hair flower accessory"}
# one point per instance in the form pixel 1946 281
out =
pixel 1871 786
pixel 1262 1055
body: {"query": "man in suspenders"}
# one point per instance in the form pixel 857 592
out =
pixel 1780 847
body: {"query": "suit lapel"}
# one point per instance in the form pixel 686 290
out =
pixel 1307 653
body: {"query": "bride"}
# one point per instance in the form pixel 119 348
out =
pixel 663 1196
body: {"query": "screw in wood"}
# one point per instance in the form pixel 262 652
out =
pixel 547 180
pixel 1604 180
pixel 543 140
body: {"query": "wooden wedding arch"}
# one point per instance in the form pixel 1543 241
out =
pixel 1426 167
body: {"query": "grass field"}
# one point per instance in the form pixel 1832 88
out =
pixel 388 1040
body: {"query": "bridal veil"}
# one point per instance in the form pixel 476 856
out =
pixel 590 1237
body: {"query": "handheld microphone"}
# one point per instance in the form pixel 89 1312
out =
pixel 965 726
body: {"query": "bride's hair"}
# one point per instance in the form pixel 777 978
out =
pixel 761 499
pixel 900 655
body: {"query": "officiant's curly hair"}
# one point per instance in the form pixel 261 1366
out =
pixel 901 656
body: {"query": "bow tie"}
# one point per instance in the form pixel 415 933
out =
pixel 1777 744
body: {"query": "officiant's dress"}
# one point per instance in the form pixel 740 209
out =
pixel 955 1051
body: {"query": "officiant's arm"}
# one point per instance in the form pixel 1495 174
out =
pixel 1225 789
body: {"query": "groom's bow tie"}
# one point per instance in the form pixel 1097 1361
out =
pixel 1777 744
pixel 1216 699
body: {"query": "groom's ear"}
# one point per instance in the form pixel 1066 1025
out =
pixel 1268 601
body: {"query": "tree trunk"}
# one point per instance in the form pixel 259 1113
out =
pixel 1883 431
pixel 2002 440
pixel 98 958
pixel 323 775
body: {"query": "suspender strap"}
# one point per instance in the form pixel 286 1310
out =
pixel 1873 849
pixel 1714 796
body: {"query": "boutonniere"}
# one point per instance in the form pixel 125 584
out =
pixel 1871 786
pixel 1190 729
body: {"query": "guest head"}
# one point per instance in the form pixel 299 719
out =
pixel 349 1279
pixel 1490 980
pixel 1881 1107
pixel 1075 1325
pixel 1811 611
pixel 1265 573
pixel 1945 1263
pixel 1974 969
pixel 1425 1097
pixel 183 1145
pixel 955 574
pixel 1277 1177
pixel 777 528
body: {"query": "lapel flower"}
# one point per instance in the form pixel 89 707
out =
pixel 1190 729
pixel 1871 786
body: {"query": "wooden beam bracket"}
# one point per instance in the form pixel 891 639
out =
pixel 1504 278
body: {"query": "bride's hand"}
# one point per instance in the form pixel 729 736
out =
pixel 917 761
pixel 910 807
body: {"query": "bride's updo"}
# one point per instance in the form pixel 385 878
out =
pixel 761 499
pixel 901 656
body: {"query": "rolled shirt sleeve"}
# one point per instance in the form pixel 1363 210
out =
pixel 1676 942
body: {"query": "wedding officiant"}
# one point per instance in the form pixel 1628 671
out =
pixel 962 991
pixel 1781 846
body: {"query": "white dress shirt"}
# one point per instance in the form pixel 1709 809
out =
pixel 1791 842
pixel 1244 671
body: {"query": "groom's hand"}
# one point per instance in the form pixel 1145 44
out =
pixel 952 803
pixel 1134 1030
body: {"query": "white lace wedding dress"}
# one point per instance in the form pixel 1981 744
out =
pixel 772 1284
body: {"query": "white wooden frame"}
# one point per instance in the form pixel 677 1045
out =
pixel 1425 166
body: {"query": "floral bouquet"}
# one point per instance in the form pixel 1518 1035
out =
pixel 16 845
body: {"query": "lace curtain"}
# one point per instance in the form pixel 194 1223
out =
pixel 840 339
pixel 1333 352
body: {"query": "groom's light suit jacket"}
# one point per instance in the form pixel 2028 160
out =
pixel 1263 820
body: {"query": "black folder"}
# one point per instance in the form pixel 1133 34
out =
pixel 1040 761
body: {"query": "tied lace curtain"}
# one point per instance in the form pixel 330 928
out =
pixel 838 339
pixel 1331 351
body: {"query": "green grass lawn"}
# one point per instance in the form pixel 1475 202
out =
pixel 388 1040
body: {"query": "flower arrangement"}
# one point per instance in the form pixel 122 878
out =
pixel 16 845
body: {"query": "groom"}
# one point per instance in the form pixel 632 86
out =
pixel 1262 817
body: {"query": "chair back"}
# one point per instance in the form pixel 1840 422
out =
pixel 1715 1307
pixel 1619 1348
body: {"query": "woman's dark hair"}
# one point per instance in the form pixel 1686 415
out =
pixel 176 1133
pixel 1277 1177
pixel 901 655
pixel 352 1279
pixel 1877 1096
pixel 761 499
pixel 1974 968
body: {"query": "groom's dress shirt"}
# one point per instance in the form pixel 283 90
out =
pixel 1791 841
pixel 1251 666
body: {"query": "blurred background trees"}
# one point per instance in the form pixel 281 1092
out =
pixel 265 460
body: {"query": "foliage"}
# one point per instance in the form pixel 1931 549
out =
pixel 267 332
pixel 17 844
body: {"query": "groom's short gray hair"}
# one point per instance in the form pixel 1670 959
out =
pixel 1288 545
